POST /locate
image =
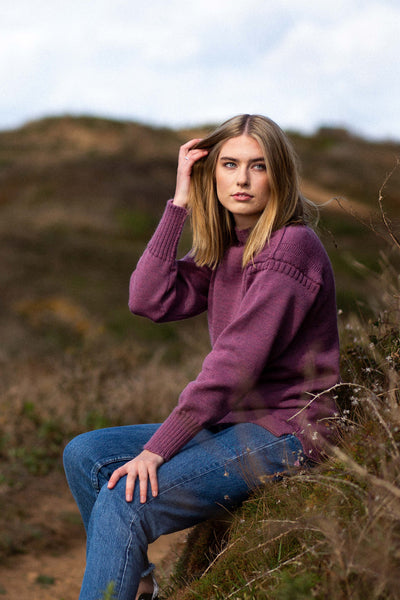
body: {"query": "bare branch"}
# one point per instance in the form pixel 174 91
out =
pixel 384 217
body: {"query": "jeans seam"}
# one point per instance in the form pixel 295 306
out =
pixel 216 466
pixel 105 462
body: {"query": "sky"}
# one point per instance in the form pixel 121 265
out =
pixel 177 63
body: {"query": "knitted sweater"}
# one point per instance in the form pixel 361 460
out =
pixel 273 331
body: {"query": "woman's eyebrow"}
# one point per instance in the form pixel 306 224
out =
pixel 252 160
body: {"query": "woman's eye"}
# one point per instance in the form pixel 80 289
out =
pixel 260 167
pixel 230 165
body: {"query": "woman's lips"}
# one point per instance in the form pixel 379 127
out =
pixel 242 197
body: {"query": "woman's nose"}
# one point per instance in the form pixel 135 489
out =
pixel 243 177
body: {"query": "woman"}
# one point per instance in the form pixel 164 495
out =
pixel 258 406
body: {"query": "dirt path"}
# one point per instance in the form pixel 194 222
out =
pixel 49 577
pixel 44 577
pixel 55 573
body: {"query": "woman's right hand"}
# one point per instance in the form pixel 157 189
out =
pixel 142 468
pixel 187 157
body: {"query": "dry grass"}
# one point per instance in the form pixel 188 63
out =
pixel 72 358
pixel 55 397
pixel 101 384
pixel 332 531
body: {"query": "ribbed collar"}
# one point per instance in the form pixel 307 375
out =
pixel 242 235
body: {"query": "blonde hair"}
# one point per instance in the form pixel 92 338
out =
pixel 212 224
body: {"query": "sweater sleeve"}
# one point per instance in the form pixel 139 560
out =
pixel 270 314
pixel 163 288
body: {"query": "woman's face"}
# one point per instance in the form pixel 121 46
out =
pixel 242 180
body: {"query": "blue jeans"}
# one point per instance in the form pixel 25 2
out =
pixel 212 474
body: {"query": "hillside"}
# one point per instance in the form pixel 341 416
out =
pixel 79 197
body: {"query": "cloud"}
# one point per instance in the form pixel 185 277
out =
pixel 178 63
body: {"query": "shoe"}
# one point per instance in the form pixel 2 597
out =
pixel 154 594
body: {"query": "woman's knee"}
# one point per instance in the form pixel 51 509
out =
pixel 76 452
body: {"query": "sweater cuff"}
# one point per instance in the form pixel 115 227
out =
pixel 176 431
pixel 164 243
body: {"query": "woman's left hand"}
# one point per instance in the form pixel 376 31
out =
pixel 144 466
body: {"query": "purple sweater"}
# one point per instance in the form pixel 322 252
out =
pixel 273 331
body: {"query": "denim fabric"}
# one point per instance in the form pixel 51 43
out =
pixel 212 474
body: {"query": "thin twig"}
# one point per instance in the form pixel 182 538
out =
pixel 382 213
pixel 375 518
pixel 382 422
pixel 320 479
pixel 361 387
pixel 270 571
pixel 281 535
pixel 385 220
pixel 363 472
pixel 315 397
pixel 227 547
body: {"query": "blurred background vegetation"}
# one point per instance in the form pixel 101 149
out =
pixel 79 198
